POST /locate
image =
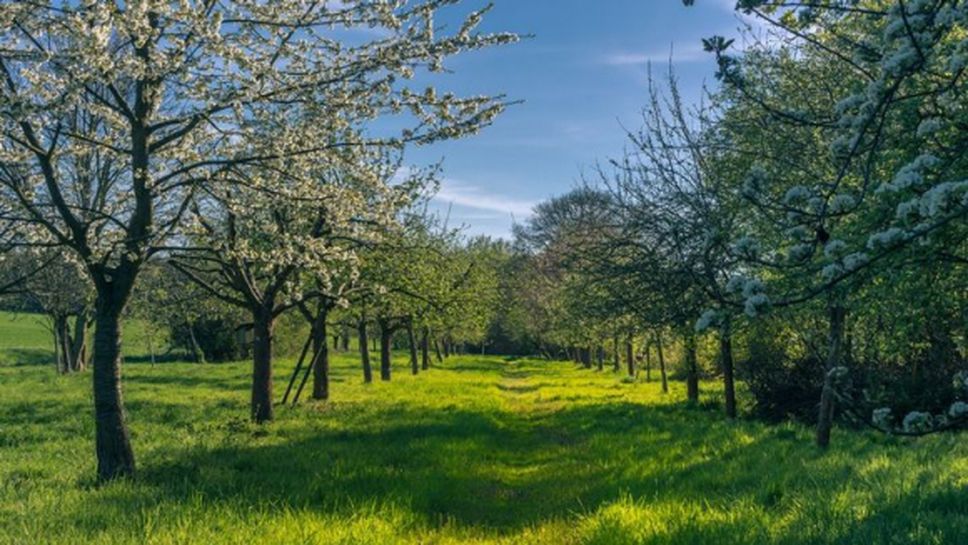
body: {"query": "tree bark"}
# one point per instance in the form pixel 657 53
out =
pixel 440 357
pixel 446 349
pixel 386 345
pixel 662 367
pixel 648 362
pixel 601 358
pixel 586 357
pixel 692 369
pixel 726 358
pixel 630 357
pixel 261 405
pixel 198 355
pixel 617 364
pixel 425 348
pixel 79 344
pixel 345 337
pixel 412 341
pixel 825 419
pixel 365 352
pixel 115 458
pixel 62 349
pixel 321 350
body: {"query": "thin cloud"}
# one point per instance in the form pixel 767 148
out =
pixel 471 196
pixel 689 54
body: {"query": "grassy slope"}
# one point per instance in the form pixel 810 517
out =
pixel 25 339
pixel 479 451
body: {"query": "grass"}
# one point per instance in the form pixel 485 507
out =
pixel 480 450
pixel 26 339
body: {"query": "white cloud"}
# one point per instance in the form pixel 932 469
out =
pixel 471 196
pixel 693 53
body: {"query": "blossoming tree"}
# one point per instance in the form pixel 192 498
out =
pixel 113 113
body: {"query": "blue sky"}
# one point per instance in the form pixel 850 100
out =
pixel 582 76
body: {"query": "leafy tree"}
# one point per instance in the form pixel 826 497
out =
pixel 860 176
pixel 115 112
pixel 55 284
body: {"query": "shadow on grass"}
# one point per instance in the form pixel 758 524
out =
pixel 170 357
pixel 231 383
pixel 476 470
pixel 507 470
pixel 19 357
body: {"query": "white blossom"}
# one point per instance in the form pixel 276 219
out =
pixel 958 409
pixel 886 238
pixel 797 194
pixel 708 319
pixel 842 203
pixel 746 247
pixel 882 418
pixel 756 305
pixel 916 421
pixel 834 248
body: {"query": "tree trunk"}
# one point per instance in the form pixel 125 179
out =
pixel 692 369
pixel 345 337
pixel 112 442
pixel 440 357
pixel 198 355
pixel 601 358
pixel 261 406
pixel 662 368
pixel 365 352
pixel 78 359
pixel 617 364
pixel 412 341
pixel 648 361
pixel 151 345
pixel 386 342
pixel 825 420
pixel 726 358
pixel 321 350
pixel 586 357
pixel 446 348
pixel 425 348
pixel 630 356
pixel 62 347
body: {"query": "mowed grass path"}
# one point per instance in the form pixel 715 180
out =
pixel 479 450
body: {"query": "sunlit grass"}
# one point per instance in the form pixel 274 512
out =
pixel 480 450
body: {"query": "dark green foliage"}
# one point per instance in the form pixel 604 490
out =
pixel 217 337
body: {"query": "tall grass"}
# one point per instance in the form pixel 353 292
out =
pixel 479 450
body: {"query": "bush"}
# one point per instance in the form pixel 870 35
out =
pixel 217 337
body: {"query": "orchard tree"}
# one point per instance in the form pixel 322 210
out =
pixel 558 239
pixel 113 113
pixel 683 210
pixel 60 290
pixel 868 102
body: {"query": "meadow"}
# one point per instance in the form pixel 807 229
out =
pixel 478 450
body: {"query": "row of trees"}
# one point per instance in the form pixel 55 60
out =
pixel 254 147
pixel 205 163
pixel 810 213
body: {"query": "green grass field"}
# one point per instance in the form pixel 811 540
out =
pixel 479 450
